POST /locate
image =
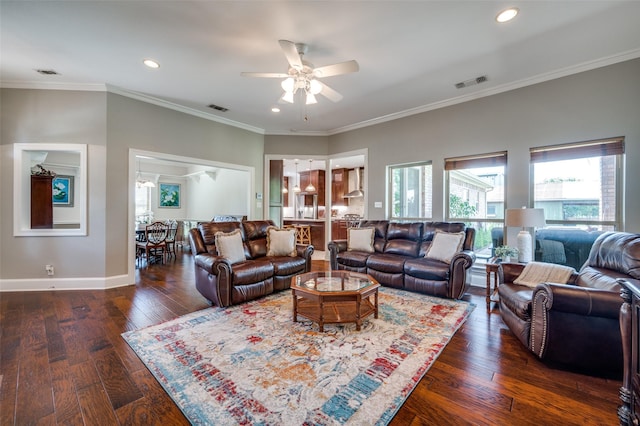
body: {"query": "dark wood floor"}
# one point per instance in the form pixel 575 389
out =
pixel 63 362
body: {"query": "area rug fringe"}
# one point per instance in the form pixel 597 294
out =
pixel 252 365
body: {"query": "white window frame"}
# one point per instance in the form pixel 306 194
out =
pixel 422 189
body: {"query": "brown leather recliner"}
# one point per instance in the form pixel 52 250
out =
pixel 225 284
pixel 575 325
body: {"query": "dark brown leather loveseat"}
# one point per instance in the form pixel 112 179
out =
pixel 575 325
pixel 226 284
pixel 398 259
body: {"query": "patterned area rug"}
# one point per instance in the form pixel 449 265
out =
pixel 251 364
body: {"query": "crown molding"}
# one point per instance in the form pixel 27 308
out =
pixel 540 78
pixel 180 108
pixel 49 85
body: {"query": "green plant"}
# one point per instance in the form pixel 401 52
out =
pixel 503 251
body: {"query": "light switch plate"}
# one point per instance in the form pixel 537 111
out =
pixel 377 204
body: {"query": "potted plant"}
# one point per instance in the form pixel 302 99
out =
pixel 505 253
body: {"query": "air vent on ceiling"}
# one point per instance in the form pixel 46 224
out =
pixel 218 108
pixel 471 82
pixel 48 72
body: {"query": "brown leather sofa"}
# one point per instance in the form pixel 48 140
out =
pixel 399 259
pixel 574 326
pixel 224 284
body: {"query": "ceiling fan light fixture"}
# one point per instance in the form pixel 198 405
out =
pixel 288 85
pixel 315 87
pixel 288 97
pixel 311 99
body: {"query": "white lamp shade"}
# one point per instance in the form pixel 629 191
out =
pixel 288 97
pixel 311 99
pixel 524 218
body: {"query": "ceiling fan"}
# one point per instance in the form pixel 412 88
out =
pixel 302 76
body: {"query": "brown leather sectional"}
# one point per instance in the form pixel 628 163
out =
pixel 398 259
pixel 575 326
pixel 225 284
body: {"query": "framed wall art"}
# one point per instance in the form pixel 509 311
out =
pixel 62 191
pixel 169 195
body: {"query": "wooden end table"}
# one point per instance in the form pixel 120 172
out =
pixel 492 272
pixel 334 297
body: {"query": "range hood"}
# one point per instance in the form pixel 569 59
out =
pixel 356 192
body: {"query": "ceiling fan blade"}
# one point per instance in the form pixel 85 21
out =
pixel 336 69
pixel 291 52
pixel 329 93
pixel 264 74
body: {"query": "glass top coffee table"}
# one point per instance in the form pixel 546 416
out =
pixel 334 297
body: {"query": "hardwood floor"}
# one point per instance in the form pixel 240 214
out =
pixel 63 362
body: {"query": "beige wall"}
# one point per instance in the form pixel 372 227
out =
pixel 139 125
pixel 42 116
pixel 110 124
pixel 595 104
pixel 591 105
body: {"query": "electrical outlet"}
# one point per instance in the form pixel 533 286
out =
pixel 49 269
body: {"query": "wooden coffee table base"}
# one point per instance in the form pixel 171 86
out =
pixel 335 308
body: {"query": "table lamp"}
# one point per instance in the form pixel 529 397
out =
pixel 524 218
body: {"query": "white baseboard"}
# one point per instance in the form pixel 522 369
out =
pixel 82 283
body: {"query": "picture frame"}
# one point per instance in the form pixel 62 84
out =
pixel 169 195
pixel 62 191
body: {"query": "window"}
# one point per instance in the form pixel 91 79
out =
pixel 410 191
pixel 143 203
pixel 578 185
pixel 475 189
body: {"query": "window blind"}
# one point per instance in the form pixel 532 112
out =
pixel 474 161
pixel 595 148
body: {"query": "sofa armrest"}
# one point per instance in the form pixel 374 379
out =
pixel 212 264
pixel 460 264
pixel 305 252
pixel 507 272
pixel 576 325
pixel 335 247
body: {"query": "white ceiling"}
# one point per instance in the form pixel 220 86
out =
pixel 411 53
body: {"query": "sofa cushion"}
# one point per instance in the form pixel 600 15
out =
pixel 445 245
pixel 353 259
pixel 427 269
pixel 517 298
pixel 287 265
pixel 281 242
pixel 208 231
pixel 404 239
pixel 360 239
pixel 600 278
pixel 229 245
pixel 252 272
pixel 255 232
pixel 391 263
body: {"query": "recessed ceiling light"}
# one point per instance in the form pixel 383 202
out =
pixel 151 63
pixel 275 109
pixel 507 14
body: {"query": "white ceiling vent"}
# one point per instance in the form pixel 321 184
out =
pixel 48 72
pixel 218 107
pixel 471 82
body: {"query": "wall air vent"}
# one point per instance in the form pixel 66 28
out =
pixel 48 72
pixel 471 82
pixel 218 108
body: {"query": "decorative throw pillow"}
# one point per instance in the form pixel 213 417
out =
pixel 445 245
pixel 229 245
pixel 360 239
pixel 281 242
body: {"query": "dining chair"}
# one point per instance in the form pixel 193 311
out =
pixel 155 243
pixel 171 237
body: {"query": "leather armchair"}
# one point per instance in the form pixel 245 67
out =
pixel 575 325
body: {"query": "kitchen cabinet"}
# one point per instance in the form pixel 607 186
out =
pixel 317 231
pixel 41 202
pixel 285 195
pixel 338 229
pixel 316 178
pixel 339 184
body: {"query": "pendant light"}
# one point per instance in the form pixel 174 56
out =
pixel 143 183
pixel 310 187
pixel 296 188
